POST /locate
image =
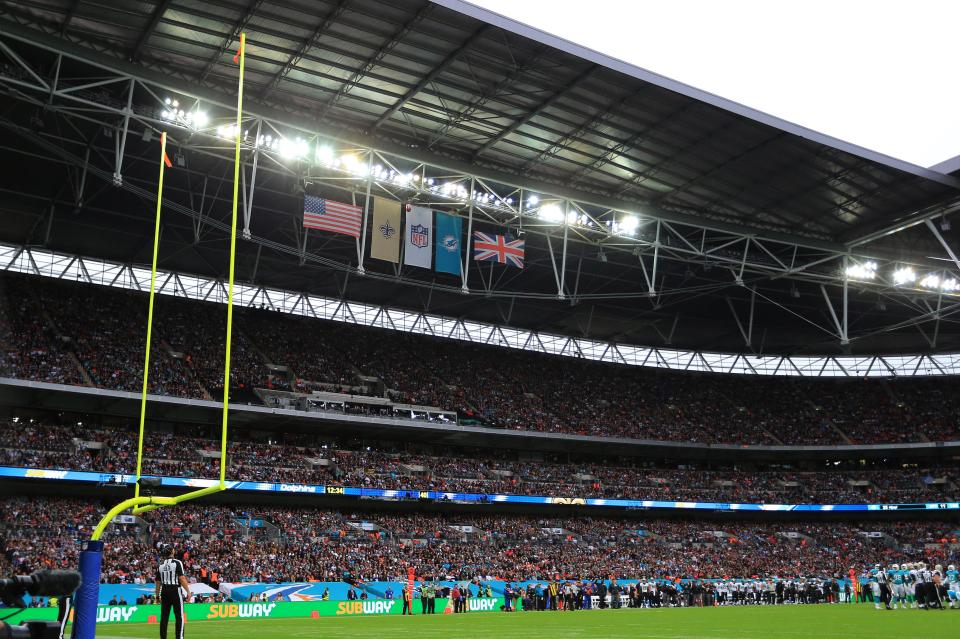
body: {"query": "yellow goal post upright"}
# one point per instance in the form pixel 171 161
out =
pixel 91 558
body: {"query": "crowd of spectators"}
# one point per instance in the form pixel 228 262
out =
pixel 77 333
pixel 312 544
pixel 306 459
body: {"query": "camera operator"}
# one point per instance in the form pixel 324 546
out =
pixel 47 583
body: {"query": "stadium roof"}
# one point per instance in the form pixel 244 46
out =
pixel 739 210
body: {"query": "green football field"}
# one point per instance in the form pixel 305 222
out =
pixel 820 622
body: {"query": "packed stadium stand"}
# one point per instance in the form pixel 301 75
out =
pixel 84 334
pixel 304 458
pixel 306 544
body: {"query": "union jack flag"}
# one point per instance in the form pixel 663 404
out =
pixel 498 248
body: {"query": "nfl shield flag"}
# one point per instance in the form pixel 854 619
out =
pixel 417 238
pixel 448 244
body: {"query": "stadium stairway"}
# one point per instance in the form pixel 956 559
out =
pixel 87 381
pixel 71 355
pixel 169 351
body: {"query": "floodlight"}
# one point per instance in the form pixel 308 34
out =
pixel 864 271
pixel 200 119
pixel 324 154
pixel 551 213
pixel 628 224
pixel 293 149
pixel 904 275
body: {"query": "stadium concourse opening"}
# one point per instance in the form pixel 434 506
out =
pixel 516 329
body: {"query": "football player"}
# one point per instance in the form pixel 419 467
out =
pixel 953 586
pixel 898 588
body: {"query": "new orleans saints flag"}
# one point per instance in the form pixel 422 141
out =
pixel 385 234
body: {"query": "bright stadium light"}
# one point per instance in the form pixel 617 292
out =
pixel 627 225
pixel 199 119
pixel 931 281
pixel 532 201
pixel 551 213
pixel 904 275
pixel 865 271
pixel 324 155
pixel 293 149
pixel 172 112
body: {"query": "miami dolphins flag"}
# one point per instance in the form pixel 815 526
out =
pixel 448 244
pixel 418 237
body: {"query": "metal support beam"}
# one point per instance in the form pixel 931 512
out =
pixel 68 18
pixel 46 235
pixel 845 335
pixel 23 65
pixel 668 338
pixel 234 37
pixel 250 189
pixel 373 60
pixel 561 294
pixel 367 205
pixel 943 242
pixel 840 326
pixel 81 183
pixel 589 125
pixel 545 104
pixel 305 46
pixel 743 262
pixel 151 27
pixel 198 222
pixel 427 79
pixel 56 79
pixel 919 216
pixel 656 257
pixel 745 332
pixel 576 282
pixel 256 264
pixel 466 254
pixel 122 140
pixel 477 104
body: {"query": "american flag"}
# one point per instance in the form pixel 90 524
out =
pixel 497 248
pixel 328 215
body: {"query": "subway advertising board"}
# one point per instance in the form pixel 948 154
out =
pixel 251 610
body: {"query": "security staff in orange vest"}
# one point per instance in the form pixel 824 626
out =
pixel 407 601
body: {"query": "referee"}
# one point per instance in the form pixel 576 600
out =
pixel 63 612
pixel 172 589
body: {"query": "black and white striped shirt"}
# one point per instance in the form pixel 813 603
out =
pixel 169 572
